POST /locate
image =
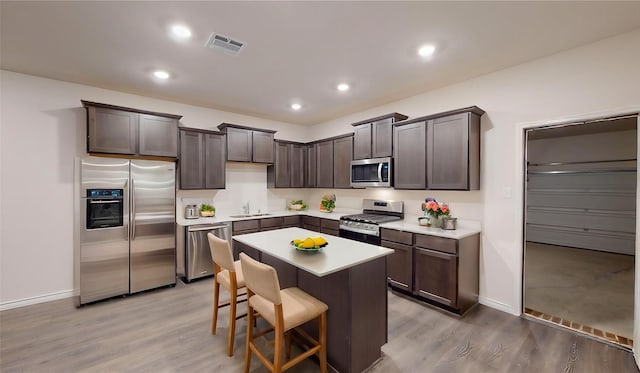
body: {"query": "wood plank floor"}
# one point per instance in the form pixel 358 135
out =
pixel 168 330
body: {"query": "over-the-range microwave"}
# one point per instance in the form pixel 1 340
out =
pixel 374 172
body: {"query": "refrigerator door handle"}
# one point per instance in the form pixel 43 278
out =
pixel 126 222
pixel 133 209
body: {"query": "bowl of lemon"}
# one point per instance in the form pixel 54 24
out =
pixel 309 243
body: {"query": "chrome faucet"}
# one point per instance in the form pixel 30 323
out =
pixel 246 208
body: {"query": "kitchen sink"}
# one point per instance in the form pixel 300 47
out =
pixel 247 215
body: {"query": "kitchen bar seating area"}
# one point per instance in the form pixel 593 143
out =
pixel 348 276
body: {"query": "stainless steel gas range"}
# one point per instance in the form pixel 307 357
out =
pixel 365 227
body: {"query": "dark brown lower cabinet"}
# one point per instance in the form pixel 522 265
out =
pixel 330 226
pixel 311 223
pixel 436 276
pixel 400 265
pixel 291 221
pixel 446 271
pixel 440 271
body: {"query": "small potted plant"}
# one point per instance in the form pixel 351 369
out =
pixel 297 205
pixel 328 202
pixel 207 210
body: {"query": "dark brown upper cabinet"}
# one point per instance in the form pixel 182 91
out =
pixel 311 166
pixel 202 163
pixel 453 152
pixel 342 157
pixel 331 160
pixel 288 170
pixel 324 164
pixel 440 151
pixel 246 144
pixel 409 156
pixel 373 138
pixel 120 130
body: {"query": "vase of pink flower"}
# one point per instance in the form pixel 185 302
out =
pixel 435 211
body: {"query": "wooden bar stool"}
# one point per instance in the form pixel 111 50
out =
pixel 285 310
pixel 229 274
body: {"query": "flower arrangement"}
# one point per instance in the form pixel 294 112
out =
pixel 432 207
pixel 328 202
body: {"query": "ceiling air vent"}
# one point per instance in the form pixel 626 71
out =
pixel 225 43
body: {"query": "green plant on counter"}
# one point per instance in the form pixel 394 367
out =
pixel 206 208
pixel 298 205
pixel 328 202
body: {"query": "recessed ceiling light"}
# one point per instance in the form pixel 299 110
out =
pixel 426 50
pixel 343 87
pixel 296 106
pixel 161 74
pixel 181 31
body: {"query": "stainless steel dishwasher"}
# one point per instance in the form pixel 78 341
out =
pixel 193 254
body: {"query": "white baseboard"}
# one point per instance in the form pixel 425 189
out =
pixel 499 306
pixel 35 300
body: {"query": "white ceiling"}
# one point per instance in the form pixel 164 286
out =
pixel 295 51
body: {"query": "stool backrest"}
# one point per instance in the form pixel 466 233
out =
pixel 261 279
pixel 221 252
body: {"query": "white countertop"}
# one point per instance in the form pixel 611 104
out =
pixel 335 215
pixel 339 254
pixel 464 228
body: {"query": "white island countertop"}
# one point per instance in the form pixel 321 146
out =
pixel 339 254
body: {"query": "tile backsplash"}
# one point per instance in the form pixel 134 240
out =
pixel 247 182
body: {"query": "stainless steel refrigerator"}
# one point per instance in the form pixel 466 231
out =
pixel 127 227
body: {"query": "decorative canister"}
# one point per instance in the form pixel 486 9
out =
pixel 449 223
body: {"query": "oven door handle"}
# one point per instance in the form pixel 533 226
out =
pixel 363 231
pixel 380 172
pixel 99 201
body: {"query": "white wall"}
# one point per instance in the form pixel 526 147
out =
pixel 599 77
pixel 42 126
pixel 42 130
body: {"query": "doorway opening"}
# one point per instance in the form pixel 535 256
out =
pixel 580 224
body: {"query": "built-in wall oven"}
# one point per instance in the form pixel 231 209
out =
pixel 105 208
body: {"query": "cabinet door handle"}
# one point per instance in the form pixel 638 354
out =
pixel 437 254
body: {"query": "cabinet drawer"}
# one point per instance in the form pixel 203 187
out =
pixel 311 220
pixel 333 232
pixel 446 245
pixel 396 236
pixel 271 222
pixel 245 225
pixel 291 221
pixel 330 224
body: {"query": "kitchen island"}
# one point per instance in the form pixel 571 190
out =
pixel 349 276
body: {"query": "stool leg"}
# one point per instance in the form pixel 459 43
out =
pixel 247 354
pixel 216 297
pixel 232 319
pixel 287 342
pixel 277 353
pixel 323 342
